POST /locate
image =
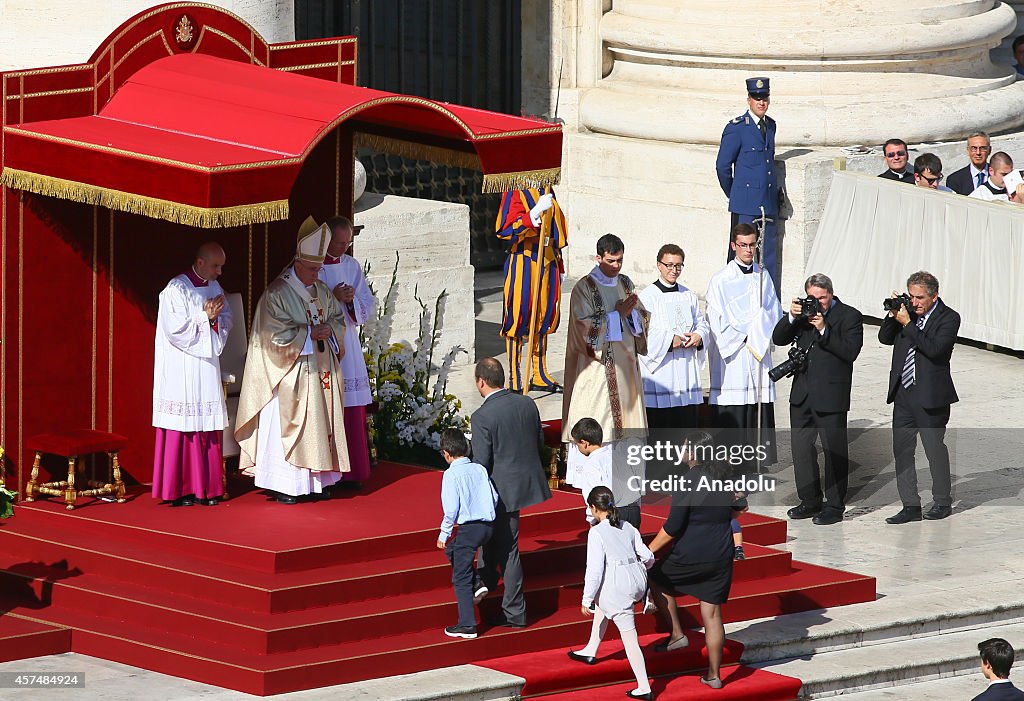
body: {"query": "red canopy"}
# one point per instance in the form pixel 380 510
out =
pixel 206 141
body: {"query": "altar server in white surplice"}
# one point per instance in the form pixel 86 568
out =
pixel 193 322
pixel 675 346
pixel 742 317
pixel 290 424
pixel 344 276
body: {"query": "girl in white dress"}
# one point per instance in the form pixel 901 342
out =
pixel 616 578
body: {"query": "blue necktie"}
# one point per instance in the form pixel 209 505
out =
pixel 981 179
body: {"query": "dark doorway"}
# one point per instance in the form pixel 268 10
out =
pixel 462 51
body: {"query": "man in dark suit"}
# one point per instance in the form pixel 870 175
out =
pixel 996 660
pixel 746 170
pixel 921 392
pixel 820 397
pixel 507 439
pixel 896 156
pixel 974 174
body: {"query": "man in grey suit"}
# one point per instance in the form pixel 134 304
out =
pixel 507 438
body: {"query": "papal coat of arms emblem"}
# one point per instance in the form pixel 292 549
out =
pixel 184 32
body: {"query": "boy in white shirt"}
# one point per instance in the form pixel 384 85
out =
pixel 589 463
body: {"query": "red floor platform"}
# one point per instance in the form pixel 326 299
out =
pixel 267 598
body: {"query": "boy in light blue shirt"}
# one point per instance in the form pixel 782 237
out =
pixel 468 499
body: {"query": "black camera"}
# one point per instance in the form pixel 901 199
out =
pixel 797 362
pixel 809 306
pixel 892 304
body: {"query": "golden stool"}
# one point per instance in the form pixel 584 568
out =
pixel 72 445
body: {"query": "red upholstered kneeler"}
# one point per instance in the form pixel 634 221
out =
pixel 71 445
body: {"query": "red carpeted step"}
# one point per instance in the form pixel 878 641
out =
pixel 740 684
pixel 336 531
pixel 21 638
pixel 140 596
pixel 552 670
pixel 329 623
pixel 135 563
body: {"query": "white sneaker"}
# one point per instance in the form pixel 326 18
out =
pixel 480 593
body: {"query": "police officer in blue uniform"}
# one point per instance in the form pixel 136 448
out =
pixel 746 170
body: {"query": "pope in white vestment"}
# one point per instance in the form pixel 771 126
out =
pixel 671 370
pixel 742 314
pixel 343 275
pixel 193 322
pixel 290 424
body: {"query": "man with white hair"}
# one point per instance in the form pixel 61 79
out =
pixel 290 424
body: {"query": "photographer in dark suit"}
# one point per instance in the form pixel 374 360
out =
pixel 996 660
pixel 832 333
pixel 922 331
pixel 507 439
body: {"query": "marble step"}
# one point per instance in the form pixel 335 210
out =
pixel 460 683
pixel 965 686
pixel 899 663
pixel 888 619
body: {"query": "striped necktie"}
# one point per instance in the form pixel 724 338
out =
pixel 908 376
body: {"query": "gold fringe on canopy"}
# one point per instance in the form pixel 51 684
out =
pixel 189 215
pixel 503 182
pixel 495 182
pixel 420 152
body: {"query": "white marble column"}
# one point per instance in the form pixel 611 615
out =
pixel 640 161
pixel 56 32
pixel 843 71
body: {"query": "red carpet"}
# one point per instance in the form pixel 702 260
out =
pixel 266 598
pixel 21 638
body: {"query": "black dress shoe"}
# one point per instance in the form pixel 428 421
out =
pixel 505 623
pixel 287 499
pixel 550 389
pixel 905 515
pixel 938 512
pixel 212 501
pixel 803 511
pixel 187 500
pixel 646 697
pixel 582 658
pixel 827 517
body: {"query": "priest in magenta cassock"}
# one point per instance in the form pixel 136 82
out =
pixel 192 326
pixel 290 423
pixel 343 275
pixel 742 310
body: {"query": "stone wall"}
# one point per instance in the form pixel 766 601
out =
pixel 432 241
pixel 57 32
pixel 644 106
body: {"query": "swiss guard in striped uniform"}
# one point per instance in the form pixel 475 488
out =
pixel 519 222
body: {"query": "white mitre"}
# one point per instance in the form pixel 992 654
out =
pixel 313 241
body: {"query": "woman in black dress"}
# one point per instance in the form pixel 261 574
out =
pixel 700 561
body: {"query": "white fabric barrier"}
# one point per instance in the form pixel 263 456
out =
pixel 875 232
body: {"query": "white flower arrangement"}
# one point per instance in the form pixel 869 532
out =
pixel 413 405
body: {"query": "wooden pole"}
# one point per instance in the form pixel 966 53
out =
pixel 537 270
